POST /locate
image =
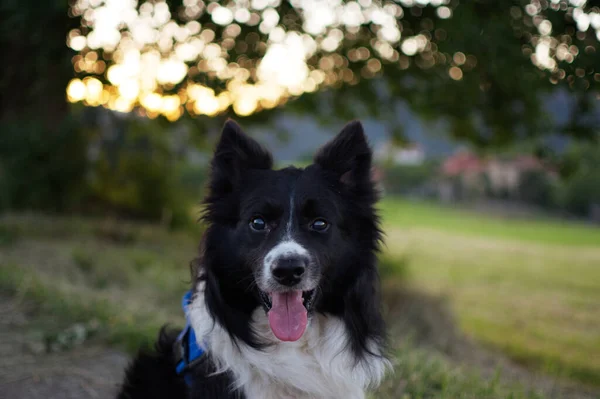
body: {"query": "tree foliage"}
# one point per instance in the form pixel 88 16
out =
pixel 36 63
pixel 482 66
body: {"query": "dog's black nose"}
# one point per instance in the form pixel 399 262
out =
pixel 289 270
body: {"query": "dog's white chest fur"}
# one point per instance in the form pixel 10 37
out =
pixel 318 365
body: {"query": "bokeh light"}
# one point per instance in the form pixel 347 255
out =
pixel 144 57
pixel 550 51
pixel 148 54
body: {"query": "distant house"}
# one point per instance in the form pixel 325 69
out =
pixel 462 176
pixel 466 174
pixel 503 176
pixel 461 163
pixel 388 152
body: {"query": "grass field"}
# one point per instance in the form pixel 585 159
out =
pixel 404 214
pixel 532 296
pixel 528 287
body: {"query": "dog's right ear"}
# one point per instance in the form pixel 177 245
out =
pixel 348 156
pixel 235 153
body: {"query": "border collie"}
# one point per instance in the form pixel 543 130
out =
pixel 285 299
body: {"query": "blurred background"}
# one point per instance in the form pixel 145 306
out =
pixel 484 117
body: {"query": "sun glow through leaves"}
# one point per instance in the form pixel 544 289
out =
pixel 134 55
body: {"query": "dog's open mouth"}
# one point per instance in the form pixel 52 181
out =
pixel 288 312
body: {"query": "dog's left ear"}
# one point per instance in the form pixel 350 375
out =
pixel 348 155
pixel 235 153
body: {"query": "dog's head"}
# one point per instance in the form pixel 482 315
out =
pixel 291 240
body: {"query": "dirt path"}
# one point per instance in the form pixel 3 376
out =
pixel 28 373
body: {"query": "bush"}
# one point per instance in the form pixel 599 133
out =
pixel 42 168
pixel 193 180
pixel 580 192
pixel 132 172
pixel 136 176
pixel 581 179
pixel 536 188
pixel 403 179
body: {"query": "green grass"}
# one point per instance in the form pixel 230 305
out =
pixel 70 273
pixel 418 374
pixel 528 287
pixel 427 376
pixel 80 269
pixel 59 306
pixel 404 213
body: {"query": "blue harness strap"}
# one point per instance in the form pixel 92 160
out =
pixel 186 349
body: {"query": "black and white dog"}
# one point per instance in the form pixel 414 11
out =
pixel 285 302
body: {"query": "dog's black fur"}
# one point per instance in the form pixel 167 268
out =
pixel 337 187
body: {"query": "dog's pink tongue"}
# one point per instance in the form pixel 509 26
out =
pixel 287 316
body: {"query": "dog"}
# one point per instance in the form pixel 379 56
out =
pixel 285 300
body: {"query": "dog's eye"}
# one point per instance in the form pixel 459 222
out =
pixel 258 224
pixel 319 225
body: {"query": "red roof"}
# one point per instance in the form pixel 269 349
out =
pixel 462 162
pixel 467 162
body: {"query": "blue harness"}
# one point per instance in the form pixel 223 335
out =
pixel 186 349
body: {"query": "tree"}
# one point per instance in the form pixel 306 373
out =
pixel 36 63
pixel 482 65
pixel 42 153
